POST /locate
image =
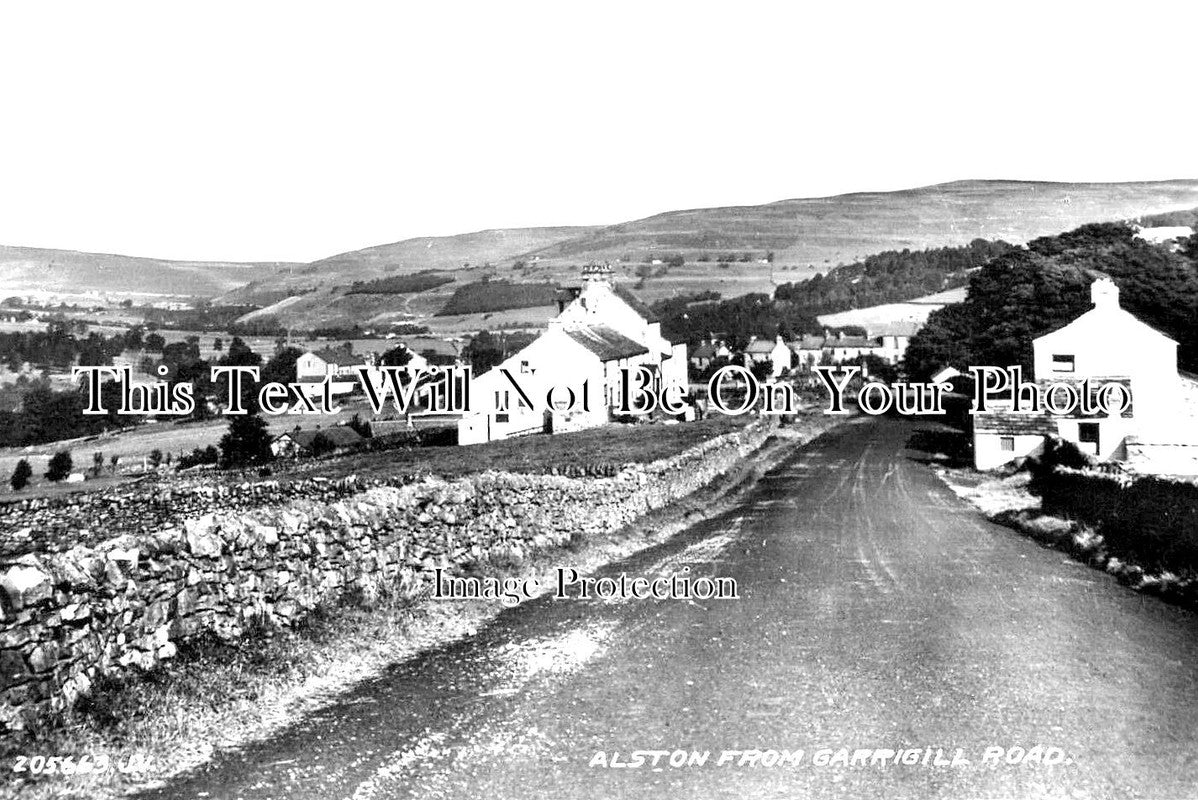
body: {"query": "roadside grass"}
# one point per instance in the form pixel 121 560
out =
pixel 991 494
pixel 1007 500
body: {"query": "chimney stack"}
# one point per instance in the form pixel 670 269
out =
pixel 1104 293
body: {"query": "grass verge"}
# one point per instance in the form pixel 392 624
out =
pixel 1005 499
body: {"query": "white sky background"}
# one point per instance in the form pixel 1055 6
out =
pixel 293 131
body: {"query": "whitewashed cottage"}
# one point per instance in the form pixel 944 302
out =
pixel 596 334
pixel 1159 433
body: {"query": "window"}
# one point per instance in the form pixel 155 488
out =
pixel 501 417
pixel 524 368
pixel 1062 363
pixel 1087 437
pixel 1007 443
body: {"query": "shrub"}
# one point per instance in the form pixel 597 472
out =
pixel 59 466
pixel 207 455
pixel 360 426
pixel 1150 521
pixel 21 475
pixel 246 443
pixel 321 445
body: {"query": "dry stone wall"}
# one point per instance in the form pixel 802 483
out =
pixel 123 603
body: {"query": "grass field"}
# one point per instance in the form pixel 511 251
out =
pixel 615 444
pixel 132 445
pixel 916 310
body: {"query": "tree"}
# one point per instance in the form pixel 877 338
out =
pixel 397 356
pixel 59 466
pixel 321 444
pixel 239 354
pixel 360 426
pixel 155 458
pixel 21 475
pixel 135 338
pixel 154 342
pixel 218 344
pixel 246 443
pixel 281 367
pixel 484 351
pixel 1023 294
pixel 97 463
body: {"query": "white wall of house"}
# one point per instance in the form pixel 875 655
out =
pixel 552 359
pixel 806 359
pixel 1110 342
pixel 992 450
pixel 1111 434
pixel 781 358
pixel 893 348
pixel 673 369
pixel 311 366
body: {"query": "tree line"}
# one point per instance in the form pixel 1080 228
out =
pixel 891 276
pixel 1028 292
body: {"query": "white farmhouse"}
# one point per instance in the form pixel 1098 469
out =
pixel 596 334
pixel 1106 344
pixel 340 364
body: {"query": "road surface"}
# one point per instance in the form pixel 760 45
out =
pixel 876 612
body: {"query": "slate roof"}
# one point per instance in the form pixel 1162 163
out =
pixel 704 351
pixel 850 341
pixel 339 356
pixel 1008 423
pixel 605 342
pixel 760 346
pixel 809 342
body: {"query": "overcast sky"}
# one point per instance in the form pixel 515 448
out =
pixel 292 131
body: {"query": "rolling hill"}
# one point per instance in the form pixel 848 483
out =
pixel 724 249
pixel 32 270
